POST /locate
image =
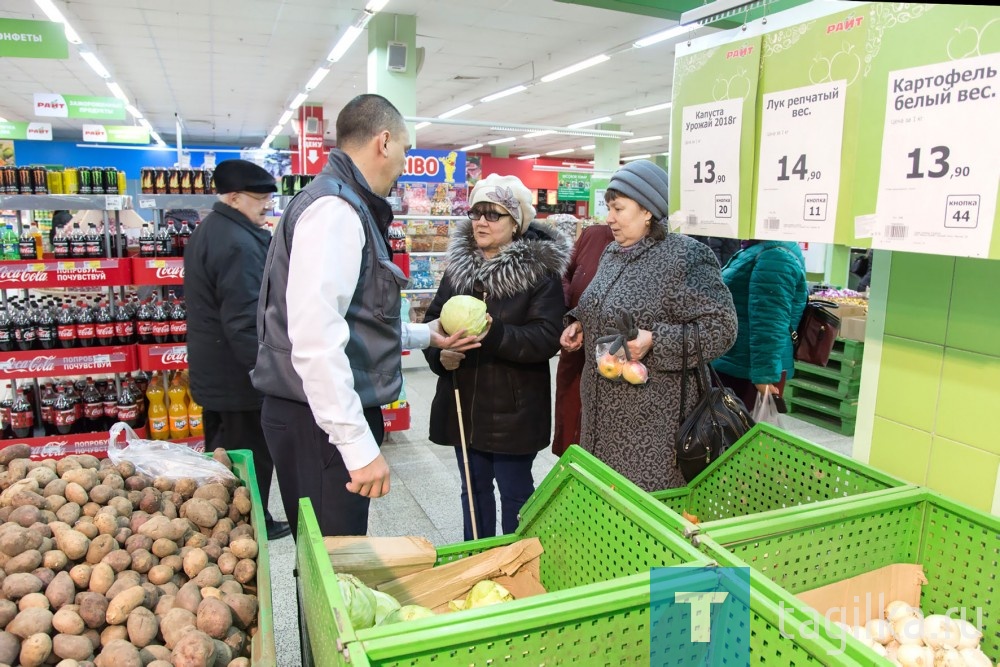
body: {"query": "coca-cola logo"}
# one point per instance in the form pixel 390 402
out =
pixel 175 357
pixel 54 448
pixel 170 272
pixel 39 364
pixel 8 275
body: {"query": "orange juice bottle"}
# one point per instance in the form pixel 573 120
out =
pixel 195 422
pixel 178 410
pixel 159 423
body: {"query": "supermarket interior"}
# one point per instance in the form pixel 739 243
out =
pixel 777 133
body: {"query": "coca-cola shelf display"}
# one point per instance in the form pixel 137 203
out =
pixel 77 243
pixel 59 446
pixel 162 357
pixel 54 363
pixel 168 241
pixel 157 271
pixel 68 407
pixel 30 274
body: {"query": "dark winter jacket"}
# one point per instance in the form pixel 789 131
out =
pixel 223 267
pixel 768 284
pixel 723 248
pixel 505 385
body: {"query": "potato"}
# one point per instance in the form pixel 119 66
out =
pixel 137 542
pixel 122 535
pixel 42 475
pixel 188 597
pixel 152 596
pixel 73 543
pixel 10 648
pixel 164 547
pixel 17 540
pixel 101 494
pixel 119 559
pixel 238 662
pixel 100 547
pixel 174 562
pixel 214 617
pixel 236 640
pixel 33 601
pixel 209 576
pixel 30 622
pixel 246 571
pixel 90 510
pixel 44 575
pixel 137 482
pixel 175 624
pixel 122 505
pixel 244 548
pixel 157 527
pixel 88 461
pixel 55 560
pixel 94 636
pixel 43 529
pixel 119 653
pixel 72 647
pixel 106 521
pixel 231 587
pixel 54 502
pixel 194 649
pixel 76 494
pixel 161 663
pixel 61 591
pixel 35 650
pixel 150 502
pixel 113 633
pixel 242 503
pixel 213 549
pixel 160 574
pixel 213 490
pixel 25 516
pixel 155 652
pixel 11 452
pixel 137 521
pixel 26 561
pixel 8 610
pixel 222 456
pixel 143 627
pixel 227 563
pixel 68 463
pixel 115 481
pixel 123 582
pixel 195 561
pixel 125 468
pixel 165 604
pixel 101 578
pixel 186 487
pixel 93 609
pixel 56 487
pixel 163 484
pixel 223 654
pixel 221 508
pixel 16 586
pixel 143 561
pixel 123 604
pixel 168 509
pixel 196 541
pixel 69 513
pixel 68 622
pixel 85 478
pixel 80 574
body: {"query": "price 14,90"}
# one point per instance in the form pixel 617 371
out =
pixel 709 175
pixel 940 167
pixel 798 169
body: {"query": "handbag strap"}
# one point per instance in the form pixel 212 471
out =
pixel 685 371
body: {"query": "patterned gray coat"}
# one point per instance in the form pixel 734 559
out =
pixel 663 284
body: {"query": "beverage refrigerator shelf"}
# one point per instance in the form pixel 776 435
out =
pixel 162 356
pixel 62 202
pixel 62 362
pixel 59 446
pixel 33 273
pixel 158 270
pixel 176 201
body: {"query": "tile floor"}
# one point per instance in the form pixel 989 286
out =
pixel 425 497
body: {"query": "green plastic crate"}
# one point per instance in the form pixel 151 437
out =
pixel 958 547
pixel 770 469
pixel 262 643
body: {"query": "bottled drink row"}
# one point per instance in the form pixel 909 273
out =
pixel 37 180
pixel 176 181
pixel 59 323
pixel 68 243
pixel 167 241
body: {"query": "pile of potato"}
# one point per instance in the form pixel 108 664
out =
pixel 104 567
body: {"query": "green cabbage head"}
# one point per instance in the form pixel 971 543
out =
pixel 408 612
pixel 385 604
pixel 463 312
pixel 359 599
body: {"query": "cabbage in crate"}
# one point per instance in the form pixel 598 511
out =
pixel 359 599
pixel 464 312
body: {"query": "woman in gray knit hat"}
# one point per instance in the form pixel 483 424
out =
pixel 662 281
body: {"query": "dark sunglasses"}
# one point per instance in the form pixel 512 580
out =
pixel 491 216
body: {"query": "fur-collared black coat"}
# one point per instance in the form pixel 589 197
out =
pixel 505 385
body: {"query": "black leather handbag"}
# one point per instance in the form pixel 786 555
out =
pixel 817 332
pixel 717 421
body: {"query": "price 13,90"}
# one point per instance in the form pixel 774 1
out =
pixel 709 175
pixel 940 166
pixel 798 169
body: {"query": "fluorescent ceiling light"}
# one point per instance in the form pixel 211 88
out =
pixel 501 141
pixel 532 135
pixel 663 153
pixel 639 140
pixel 117 91
pixel 132 110
pixel 155 137
pixel 71 36
pixel 636 157
pixel 562 151
pixel 344 43
pixel 587 123
pixel 530 157
pixel 95 64
pixel 455 111
pixel 588 147
pixel 503 93
pixel 420 126
pixel 297 102
pixel 285 117
pixel 655 107
pixel 145 124
pixel 317 78
pixel 375 6
pixel 51 11
pixel 276 130
pixel 470 147
pixel 572 69
pixel 676 31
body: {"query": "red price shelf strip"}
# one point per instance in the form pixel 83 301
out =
pixel 60 446
pixel 157 357
pixel 27 274
pixel 397 419
pixel 158 270
pixel 78 361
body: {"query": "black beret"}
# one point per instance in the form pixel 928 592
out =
pixel 242 176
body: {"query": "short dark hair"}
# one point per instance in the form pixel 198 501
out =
pixel 364 117
pixel 657 230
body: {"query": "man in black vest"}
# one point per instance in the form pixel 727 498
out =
pixel 329 329
pixel 223 267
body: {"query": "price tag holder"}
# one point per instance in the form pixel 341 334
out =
pixel 113 202
pixel 937 188
pixel 798 179
pixel 145 202
pixel 710 164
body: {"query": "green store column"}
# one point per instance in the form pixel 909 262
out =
pixel 400 88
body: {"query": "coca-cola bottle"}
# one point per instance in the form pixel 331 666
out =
pixel 183 237
pixel 93 407
pixel 73 394
pixel 48 397
pixel 66 327
pixel 85 330
pixel 178 322
pixel 128 408
pixel 77 243
pixel 22 417
pixel 60 244
pixel 94 242
pixel 161 323
pixel 147 242
pixel 140 400
pixel 5 405
pixel 124 326
pixel 46 332
pixel 110 406
pixel 6 331
pixel 26 245
pixel 24 329
pixel 164 243
pixel 175 242
pixel 104 325
pixel 63 412
pixel 141 379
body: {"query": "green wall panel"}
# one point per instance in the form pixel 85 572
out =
pixel 919 297
pixel 974 317
pixel 908 384
pixel 964 473
pixel 969 399
pixel 900 450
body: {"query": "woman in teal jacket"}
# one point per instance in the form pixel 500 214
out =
pixel 768 282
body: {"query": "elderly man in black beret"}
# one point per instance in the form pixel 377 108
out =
pixel 223 268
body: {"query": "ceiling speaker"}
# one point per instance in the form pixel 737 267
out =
pixel 396 61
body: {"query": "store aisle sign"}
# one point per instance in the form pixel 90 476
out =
pixel 798 177
pixel 938 179
pixel 573 186
pixel 79 106
pixel 20 38
pixel 116 134
pixel 434 166
pixel 710 168
pixel 32 131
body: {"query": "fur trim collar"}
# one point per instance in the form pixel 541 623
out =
pixel 541 252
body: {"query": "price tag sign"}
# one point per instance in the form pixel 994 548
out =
pixel 710 164
pixel 147 203
pixel 798 178
pixel 113 202
pixel 937 189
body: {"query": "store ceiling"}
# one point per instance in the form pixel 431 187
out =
pixel 229 69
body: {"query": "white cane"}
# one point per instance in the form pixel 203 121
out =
pixel 465 455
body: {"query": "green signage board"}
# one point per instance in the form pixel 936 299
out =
pixel 116 134
pixel 598 207
pixel 573 186
pixel 79 106
pixel 32 131
pixel 20 38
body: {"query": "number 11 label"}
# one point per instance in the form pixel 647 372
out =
pixel 937 190
pixel 798 177
pixel 710 168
